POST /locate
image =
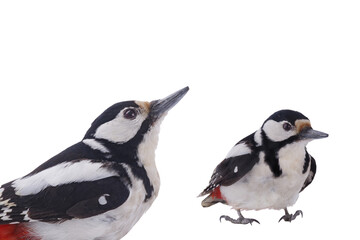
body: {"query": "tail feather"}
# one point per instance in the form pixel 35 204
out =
pixel 213 198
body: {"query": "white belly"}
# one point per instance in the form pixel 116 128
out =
pixel 259 189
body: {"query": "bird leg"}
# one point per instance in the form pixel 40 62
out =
pixel 240 220
pixel 289 217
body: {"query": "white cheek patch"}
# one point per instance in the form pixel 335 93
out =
pixel 120 130
pixel 60 174
pixel 275 132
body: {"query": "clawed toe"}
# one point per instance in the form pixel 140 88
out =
pixel 289 217
pixel 240 220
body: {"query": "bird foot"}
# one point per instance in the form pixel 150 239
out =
pixel 289 217
pixel 240 220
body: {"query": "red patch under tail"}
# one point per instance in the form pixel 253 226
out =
pixel 214 197
pixel 15 232
pixel 216 194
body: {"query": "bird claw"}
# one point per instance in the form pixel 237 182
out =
pixel 289 217
pixel 240 220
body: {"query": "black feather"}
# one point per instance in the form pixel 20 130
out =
pixel 286 115
pixel 224 173
pixel 312 173
pixel 243 164
pixel 67 201
pixel 306 162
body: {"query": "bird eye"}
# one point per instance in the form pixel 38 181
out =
pixel 130 113
pixel 287 126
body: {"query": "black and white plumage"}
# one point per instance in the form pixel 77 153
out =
pixel 97 188
pixel 267 169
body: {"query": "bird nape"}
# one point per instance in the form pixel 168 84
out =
pixel 267 169
pixel 97 188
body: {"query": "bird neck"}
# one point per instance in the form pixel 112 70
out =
pixel 146 155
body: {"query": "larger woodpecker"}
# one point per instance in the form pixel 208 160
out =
pixel 267 169
pixel 96 189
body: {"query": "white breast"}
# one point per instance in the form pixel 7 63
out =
pixel 259 189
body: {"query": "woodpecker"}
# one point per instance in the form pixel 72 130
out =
pixel 267 169
pixel 96 189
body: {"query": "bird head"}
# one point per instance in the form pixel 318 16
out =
pixel 286 125
pixel 129 121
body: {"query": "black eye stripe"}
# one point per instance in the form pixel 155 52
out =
pixel 130 113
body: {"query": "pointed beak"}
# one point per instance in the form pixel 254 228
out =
pixel 309 133
pixel 162 106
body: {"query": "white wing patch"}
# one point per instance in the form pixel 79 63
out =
pixel 60 174
pixel 238 150
pixel 96 145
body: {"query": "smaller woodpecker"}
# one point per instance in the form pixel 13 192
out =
pixel 267 169
pixel 96 189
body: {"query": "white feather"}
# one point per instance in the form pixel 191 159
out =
pixel 239 149
pixel 62 173
pixel 5 218
pixel 102 200
pixel 258 137
pixel 26 216
pixel 7 203
pixel 95 145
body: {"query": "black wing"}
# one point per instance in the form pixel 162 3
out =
pixel 311 175
pixel 63 202
pixel 74 152
pixel 76 199
pixel 230 170
pixel 234 168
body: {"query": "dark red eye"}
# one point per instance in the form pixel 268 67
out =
pixel 287 126
pixel 130 114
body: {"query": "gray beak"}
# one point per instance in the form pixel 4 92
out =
pixel 159 107
pixel 309 133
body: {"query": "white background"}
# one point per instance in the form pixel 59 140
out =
pixel 63 62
